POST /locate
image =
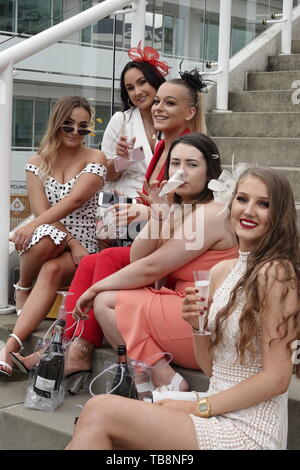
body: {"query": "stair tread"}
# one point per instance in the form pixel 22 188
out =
pixel 234 113
pixel 30 429
pixel 261 72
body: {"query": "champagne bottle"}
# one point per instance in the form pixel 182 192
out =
pixel 50 371
pixel 123 383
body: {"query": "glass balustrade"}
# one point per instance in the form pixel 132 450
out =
pixel 83 63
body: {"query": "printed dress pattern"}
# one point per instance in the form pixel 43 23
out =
pixel 81 223
pixel 261 427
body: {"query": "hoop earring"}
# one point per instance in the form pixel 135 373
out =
pixel 129 104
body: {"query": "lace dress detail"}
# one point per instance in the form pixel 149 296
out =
pixel 263 426
pixel 81 223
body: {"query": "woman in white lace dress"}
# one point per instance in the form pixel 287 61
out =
pixel 63 182
pixel 254 319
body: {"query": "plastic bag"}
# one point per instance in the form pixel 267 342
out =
pixel 33 400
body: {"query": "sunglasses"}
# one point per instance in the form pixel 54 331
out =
pixel 81 130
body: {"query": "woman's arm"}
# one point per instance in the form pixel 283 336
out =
pixel 277 364
pixel 149 239
pixel 84 188
pixel 113 144
pixel 167 258
pixel 190 313
pixel 277 368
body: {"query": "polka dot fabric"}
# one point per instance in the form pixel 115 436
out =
pixel 81 223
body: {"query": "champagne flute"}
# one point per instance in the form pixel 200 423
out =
pixel 62 313
pixel 202 280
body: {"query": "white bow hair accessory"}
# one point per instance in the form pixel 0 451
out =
pixel 223 188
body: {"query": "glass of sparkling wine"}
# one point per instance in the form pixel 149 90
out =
pixel 202 279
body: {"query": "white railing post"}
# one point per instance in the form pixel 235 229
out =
pixel 6 88
pixel 138 23
pixel 286 38
pixel 224 54
pixel 8 58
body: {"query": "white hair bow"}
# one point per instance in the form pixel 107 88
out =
pixel 223 188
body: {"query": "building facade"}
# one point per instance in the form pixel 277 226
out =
pixel 83 63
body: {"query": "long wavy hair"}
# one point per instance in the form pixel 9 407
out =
pixel 151 74
pixel 48 149
pixel 279 247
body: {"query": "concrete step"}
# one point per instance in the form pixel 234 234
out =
pixel 265 101
pixel 273 80
pixel 253 124
pixel 296 46
pixel 284 62
pixel 260 150
pixel 23 428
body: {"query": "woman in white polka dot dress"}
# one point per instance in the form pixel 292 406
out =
pixel 63 182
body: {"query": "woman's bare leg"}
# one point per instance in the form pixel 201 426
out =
pixel 79 356
pixel 31 263
pixel 104 310
pixel 52 274
pixel 113 422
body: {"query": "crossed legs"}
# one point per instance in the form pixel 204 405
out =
pixel 53 267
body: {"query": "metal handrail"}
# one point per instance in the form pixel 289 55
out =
pixel 62 30
pixel 21 51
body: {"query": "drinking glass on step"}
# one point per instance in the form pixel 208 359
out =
pixel 202 280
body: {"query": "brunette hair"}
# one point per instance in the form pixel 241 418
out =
pixel 278 251
pixel 50 142
pixel 212 158
pixel 151 74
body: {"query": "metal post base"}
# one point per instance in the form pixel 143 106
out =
pixel 7 310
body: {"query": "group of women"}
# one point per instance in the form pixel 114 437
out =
pixel 252 250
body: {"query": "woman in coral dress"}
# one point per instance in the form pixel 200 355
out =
pixel 250 355
pixel 191 236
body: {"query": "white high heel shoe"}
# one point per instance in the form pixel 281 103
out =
pixel 174 385
pixel 5 364
pixel 18 287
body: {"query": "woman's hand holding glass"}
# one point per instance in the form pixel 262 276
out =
pixel 160 206
pixel 202 281
pixel 127 213
pixel 84 303
pixel 123 146
pixel 193 311
pixel 190 309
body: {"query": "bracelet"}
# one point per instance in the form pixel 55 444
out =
pixel 196 329
pixel 157 218
pixel 68 239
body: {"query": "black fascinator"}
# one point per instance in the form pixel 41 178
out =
pixel 194 79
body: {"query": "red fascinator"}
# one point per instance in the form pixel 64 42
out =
pixel 150 55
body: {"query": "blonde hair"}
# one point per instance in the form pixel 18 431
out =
pixel 278 250
pixel 50 143
pixel 197 100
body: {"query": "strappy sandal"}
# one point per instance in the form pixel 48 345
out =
pixel 80 379
pixel 5 364
pixel 174 385
pixel 18 287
